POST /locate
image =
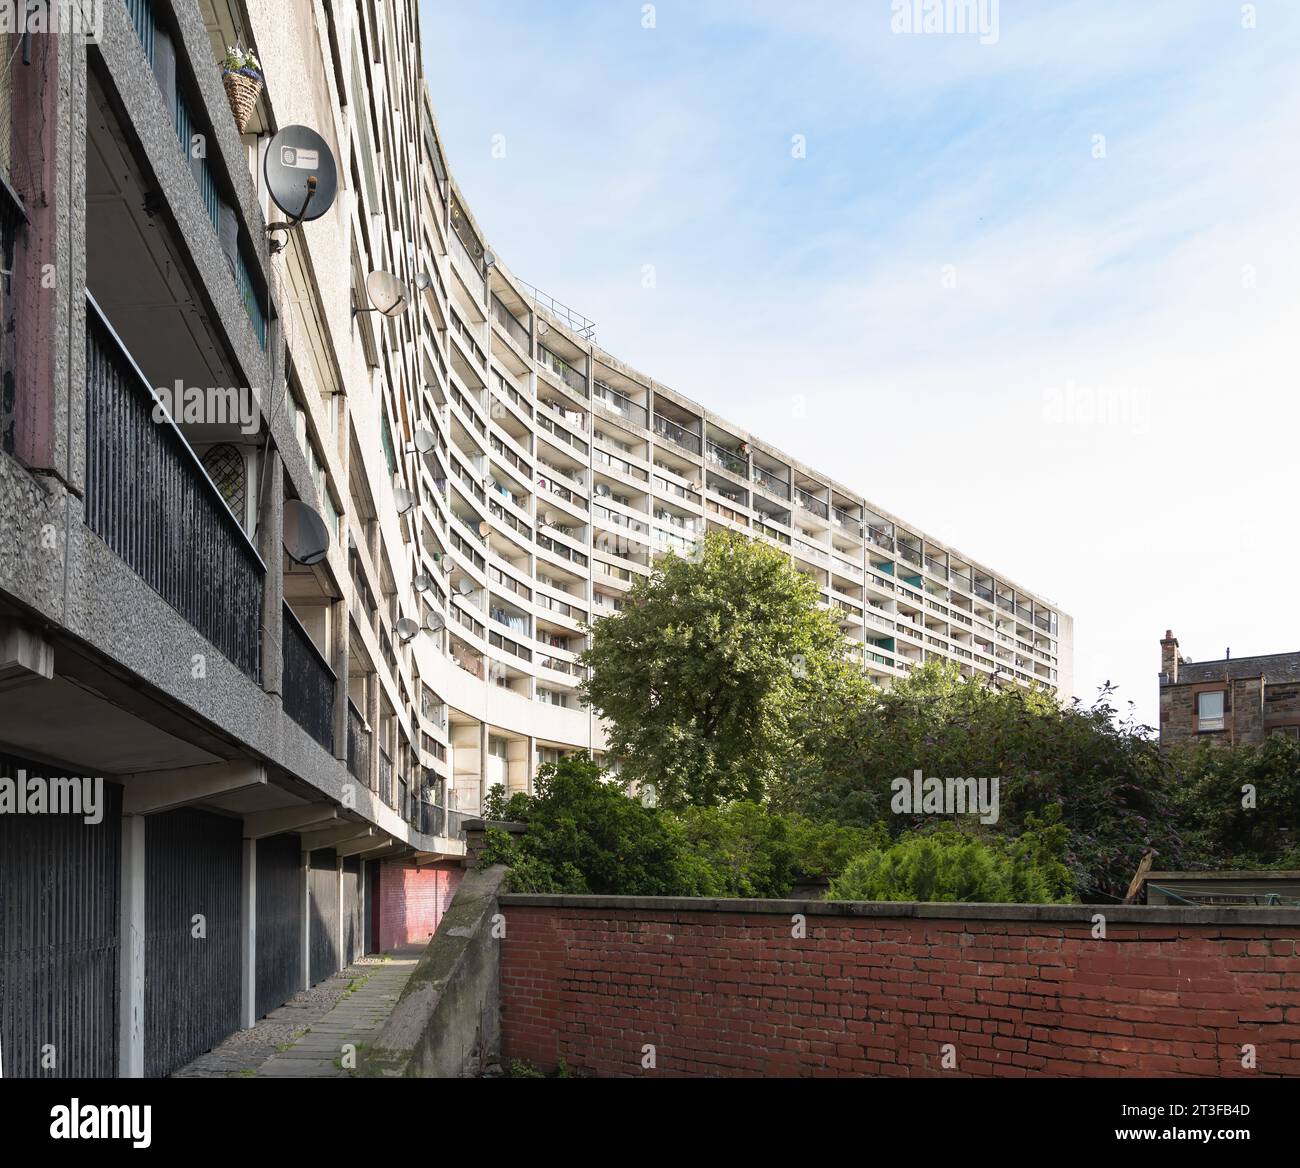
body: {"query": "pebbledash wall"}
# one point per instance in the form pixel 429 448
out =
pixel 722 988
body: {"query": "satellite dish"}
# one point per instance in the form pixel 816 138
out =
pixel 306 538
pixel 404 500
pixel 543 328
pixel 301 176
pixel 602 488
pixel 406 629
pixel 483 527
pixel 433 623
pixel 466 586
pixel 387 293
pixel 423 582
pixel 489 259
pixel 423 281
pixel 549 518
pixel 424 441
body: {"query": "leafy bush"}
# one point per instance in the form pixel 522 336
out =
pixel 586 835
pixel 947 864
pixel 1104 773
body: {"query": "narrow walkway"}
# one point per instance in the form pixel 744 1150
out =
pixel 305 1037
pixel 361 1011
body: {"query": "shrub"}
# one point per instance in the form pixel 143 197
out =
pixel 586 835
pixel 947 864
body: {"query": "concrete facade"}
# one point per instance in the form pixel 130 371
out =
pixel 489 480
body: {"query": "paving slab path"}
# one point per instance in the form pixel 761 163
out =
pixel 308 1035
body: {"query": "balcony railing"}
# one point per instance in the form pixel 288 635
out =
pixel 358 745
pixel 429 819
pixel 847 521
pixel 729 460
pixel 880 537
pixel 466 264
pixel 910 554
pixel 506 318
pixel 150 500
pixel 619 403
pixel 771 483
pixel 677 434
pixel 811 503
pixel 385 778
pixel 562 369
pixel 309 683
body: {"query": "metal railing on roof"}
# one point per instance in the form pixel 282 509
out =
pixel 584 326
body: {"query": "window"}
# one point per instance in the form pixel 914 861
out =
pixel 1209 711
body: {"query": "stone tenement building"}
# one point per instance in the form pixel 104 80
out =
pixel 1233 701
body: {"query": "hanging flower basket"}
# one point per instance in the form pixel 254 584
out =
pixel 241 74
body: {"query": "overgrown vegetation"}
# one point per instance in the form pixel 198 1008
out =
pixel 947 864
pixel 732 705
pixel 1239 807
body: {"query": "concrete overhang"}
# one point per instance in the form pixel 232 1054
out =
pixel 154 791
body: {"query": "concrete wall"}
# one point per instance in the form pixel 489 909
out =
pixel 446 1023
pixel 732 988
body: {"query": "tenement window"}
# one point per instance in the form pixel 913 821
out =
pixel 1209 711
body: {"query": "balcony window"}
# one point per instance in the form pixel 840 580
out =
pixel 1209 711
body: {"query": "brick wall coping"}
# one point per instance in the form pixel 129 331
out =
pixel 1228 874
pixel 1082 914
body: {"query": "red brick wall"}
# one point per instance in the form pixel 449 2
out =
pixel 721 993
pixel 411 900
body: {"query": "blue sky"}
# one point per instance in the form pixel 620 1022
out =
pixel 1040 296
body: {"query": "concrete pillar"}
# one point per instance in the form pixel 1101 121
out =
pixel 518 752
pixel 248 938
pixel 131 951
pixel 339 634
pixel 338 862
pixel 47 125
pixel 372 716
pixel 363 942
pixel 306 920
pixel 270 545
pixel 467 758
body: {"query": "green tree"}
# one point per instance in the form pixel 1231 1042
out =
pixel 1239 807
pixel 720 674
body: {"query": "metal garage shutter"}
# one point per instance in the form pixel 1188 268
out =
pixel 59 888
pixel 191 987
pixel 279 921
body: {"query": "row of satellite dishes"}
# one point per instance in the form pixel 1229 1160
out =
pixel 302 180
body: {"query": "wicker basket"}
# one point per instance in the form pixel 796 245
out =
pixel 242 93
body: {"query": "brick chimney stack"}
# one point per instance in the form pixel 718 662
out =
pixel 1169 657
